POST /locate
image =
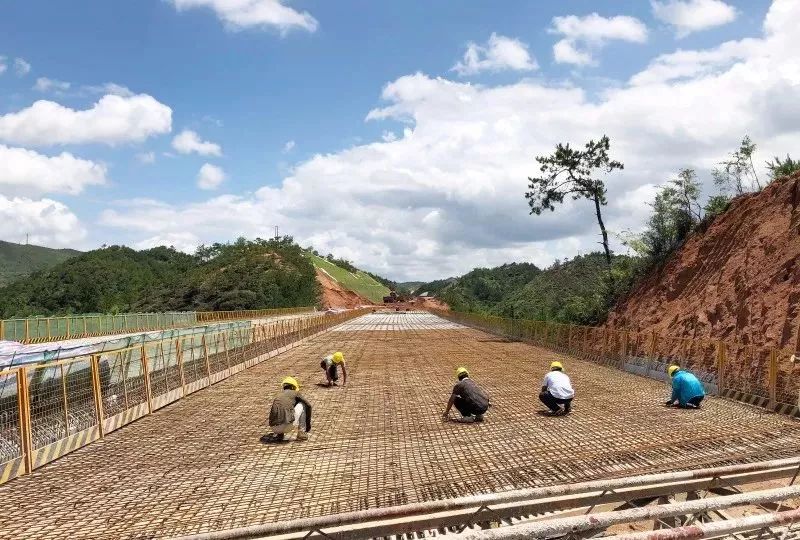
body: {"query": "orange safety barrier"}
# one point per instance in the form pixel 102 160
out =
pixel 50 409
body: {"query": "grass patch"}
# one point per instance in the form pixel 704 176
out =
pixel 360 282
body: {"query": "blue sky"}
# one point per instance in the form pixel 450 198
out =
pixel 345 123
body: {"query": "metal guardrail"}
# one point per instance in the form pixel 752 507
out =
pixel 763 376
pixel 43 329
pixel 50 409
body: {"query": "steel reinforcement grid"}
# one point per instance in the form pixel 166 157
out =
pixel 50 409
pixel 763 376
pixel 198 465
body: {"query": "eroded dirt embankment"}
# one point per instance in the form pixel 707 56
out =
pixel 337 297
pixel 740 279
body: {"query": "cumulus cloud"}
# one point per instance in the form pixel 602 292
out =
pixel 21 67
pixel 240 14
pixel 43 84
pixel 500 53
pixel 288 147
pixel 584 36
pixel 187 142
pixel 182 241
pixel 210 177
pixel 112 120
pixel 27 172
pixel 688 16
pixel 3 64
pixel 447 195
pixel 44 222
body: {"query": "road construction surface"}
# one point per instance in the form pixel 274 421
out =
pixel 197 465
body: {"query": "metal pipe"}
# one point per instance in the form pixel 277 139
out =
pixel 601 521
pixel 441 505
pixel 716 528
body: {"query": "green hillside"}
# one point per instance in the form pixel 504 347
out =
pixel 353 279
pixel 575 291
pixel 246 274
pixel 19 260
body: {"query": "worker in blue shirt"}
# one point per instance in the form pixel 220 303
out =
pixel 687 389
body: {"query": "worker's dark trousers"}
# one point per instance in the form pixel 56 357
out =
pixel 693 403
pixel 333 373
pixel 553 402
pixel 467 408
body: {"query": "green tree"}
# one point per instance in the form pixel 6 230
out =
pixel 684 192
pixel 778 168
pixel 570 172
pixel 738 173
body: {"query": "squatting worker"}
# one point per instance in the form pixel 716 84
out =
pixel 557 390
pixel 331 364
pixel 687 389
pixel 290 411
pixel 470 400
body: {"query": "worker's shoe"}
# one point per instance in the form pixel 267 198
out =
pixel 479 418
pixel 302 436
pixel 272 438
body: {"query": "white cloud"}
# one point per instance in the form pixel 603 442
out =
pixel 388 136
pixel 500 53
pixel 146 158
pixel 44 222
pixel 27 172
pixel 112 120
pixel 21 67
pixel 288 147
pixel 187 142
pixel 448 195
pixel 239 14
pixel 109 88
pixel 182 241
pixel 585 36
pixel 210 177
pixel 43 84
pixel 3 65
pixel 688 16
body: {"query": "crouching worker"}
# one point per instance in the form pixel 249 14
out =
pixel 470 400
pixel 331 364
pixel 557 390
pixel 687 389
pixel 289 411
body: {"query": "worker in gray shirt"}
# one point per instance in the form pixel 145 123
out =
pixel 470 400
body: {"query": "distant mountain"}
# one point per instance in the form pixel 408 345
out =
pixel 20 260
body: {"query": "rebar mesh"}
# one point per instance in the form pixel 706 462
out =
pixel 10 434
pixel 198 465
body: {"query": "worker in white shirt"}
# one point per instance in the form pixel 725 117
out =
pixel 557 390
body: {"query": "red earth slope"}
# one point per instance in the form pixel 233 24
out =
pixel 740 279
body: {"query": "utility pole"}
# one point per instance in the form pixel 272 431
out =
pixel 276 232
pixel 27 238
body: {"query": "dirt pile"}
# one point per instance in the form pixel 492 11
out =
pixel 740 279
pixel 337 297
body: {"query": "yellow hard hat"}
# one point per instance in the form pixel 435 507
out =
pixel 338 358
pixel 672 369
pixel 461 371
pixel 291 381
pixel 556 365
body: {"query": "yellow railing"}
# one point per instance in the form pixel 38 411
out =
pixel 43 329
pixel 50 409
pixel 764 376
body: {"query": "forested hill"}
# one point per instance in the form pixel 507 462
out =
pixel 243 275
pixel 19 260
pixel 573 291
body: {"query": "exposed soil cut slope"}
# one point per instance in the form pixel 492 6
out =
pixel 336 296
pixel 740 279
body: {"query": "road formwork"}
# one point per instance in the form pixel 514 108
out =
pixel 198 465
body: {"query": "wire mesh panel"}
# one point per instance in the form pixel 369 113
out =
pixel 193 360
pixel 165 377
pixel 63 414
pixel 123 387
pixel 217 354
pixel 747 371
pixel 12 462
pixel 787 379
